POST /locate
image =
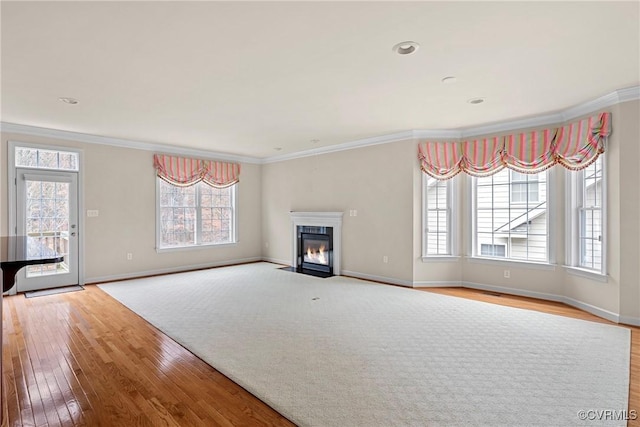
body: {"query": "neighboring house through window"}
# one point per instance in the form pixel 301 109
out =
pixel 511 216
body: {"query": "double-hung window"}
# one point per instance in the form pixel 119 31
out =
pixel 195 215
pixel 196 202
pixel 511 216
pixel 439 201
pixel 586 219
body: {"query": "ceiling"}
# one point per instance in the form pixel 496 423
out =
pixel 264 78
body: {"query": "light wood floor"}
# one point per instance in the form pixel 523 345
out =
pixel 82 358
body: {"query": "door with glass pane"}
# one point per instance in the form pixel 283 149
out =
pixel 47 213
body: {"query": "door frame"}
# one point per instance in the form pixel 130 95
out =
pixel 13 200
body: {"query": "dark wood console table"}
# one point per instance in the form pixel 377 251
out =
pixel 17 252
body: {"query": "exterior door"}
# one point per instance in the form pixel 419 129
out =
pixel 47 213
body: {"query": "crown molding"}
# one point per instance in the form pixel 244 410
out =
pixel 125 143
pixel 511 125
pixel 366 142
pixel 616 97
pixel 606 101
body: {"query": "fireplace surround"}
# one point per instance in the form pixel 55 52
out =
pixel 317 242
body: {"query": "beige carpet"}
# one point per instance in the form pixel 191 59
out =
pixel 345 352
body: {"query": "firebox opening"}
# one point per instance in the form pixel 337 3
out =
pixel 315 252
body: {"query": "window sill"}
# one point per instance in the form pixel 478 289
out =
pixel 194 247
pixel 440 258
pixel 587 274
pixel 512 263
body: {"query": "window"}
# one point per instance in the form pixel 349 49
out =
pixel 438 217
pixel 524 187
pixel 586 231
pixel 197 215
pixel 510 216
pixel 493 250
pixel 37 158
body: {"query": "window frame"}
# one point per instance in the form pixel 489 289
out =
pixel 472 243
pixel 575 189
pixel 452 226
pixel 198 222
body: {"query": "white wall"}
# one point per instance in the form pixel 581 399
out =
pixel 120 184
pixel 376 181
pixel 384 184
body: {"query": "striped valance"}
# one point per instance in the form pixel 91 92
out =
pixel 184 171
pixel 575 146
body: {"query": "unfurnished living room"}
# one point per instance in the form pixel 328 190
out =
pixel 330 214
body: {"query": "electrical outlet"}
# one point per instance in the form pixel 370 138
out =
pixel 266 245
pixel 385 259
pixel 129 256
pixel 92 213
pixel 507 274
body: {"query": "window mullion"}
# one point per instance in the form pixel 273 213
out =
pixel 198 224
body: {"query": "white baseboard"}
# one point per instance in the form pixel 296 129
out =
pixel 628 320
pixel 600 312
pixel 374 278
pixel 513 291
pixel 597 311
pixel 180 269
pixel 436 284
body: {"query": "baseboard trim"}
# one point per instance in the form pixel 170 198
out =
pixel 513 291
pixel 172 270
pixel 600 312
pixel 628 320
pixel 381 279
pixel 596 311
pixel 436 284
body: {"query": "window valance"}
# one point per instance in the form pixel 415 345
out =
pixel 184 171
pixel 575 146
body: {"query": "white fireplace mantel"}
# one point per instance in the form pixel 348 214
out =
pixel 319 219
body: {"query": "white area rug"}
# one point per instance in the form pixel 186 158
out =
pixel 344 352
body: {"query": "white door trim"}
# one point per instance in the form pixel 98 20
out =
pixel 11 194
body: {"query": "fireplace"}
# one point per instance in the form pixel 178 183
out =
pixel 315 249
pixel 316 243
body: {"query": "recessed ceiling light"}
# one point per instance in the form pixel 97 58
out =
pixel 71 101
pixel 449 80
pixel 315 141
pixel 475 101
pixel 406 48
pixel 277 148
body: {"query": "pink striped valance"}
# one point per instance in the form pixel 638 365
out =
pixel 575 146
pixel 184 171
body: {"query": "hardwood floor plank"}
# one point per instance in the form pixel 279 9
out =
pixel 83 359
